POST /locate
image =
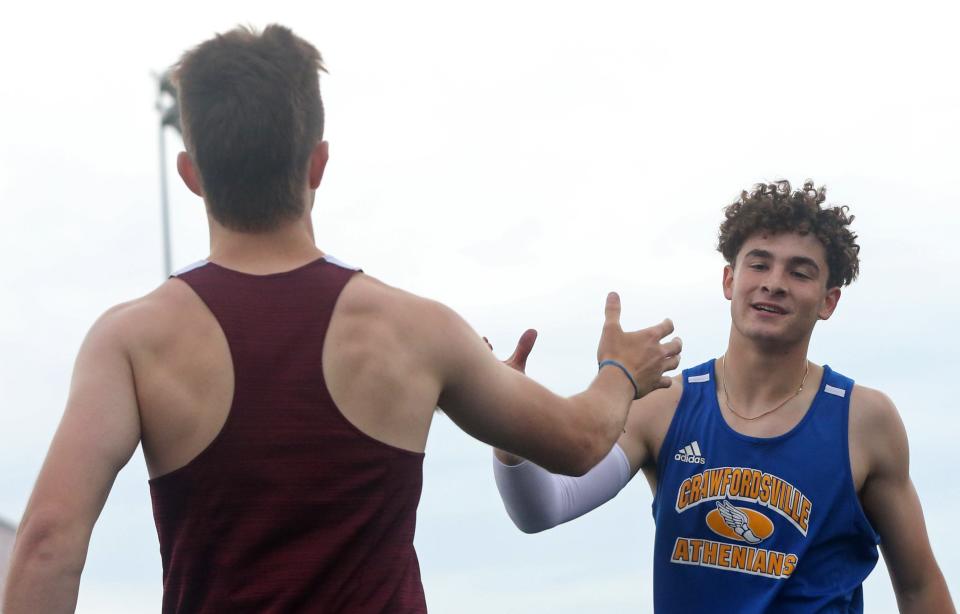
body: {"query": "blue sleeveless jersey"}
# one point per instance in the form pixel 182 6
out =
pixel 747 524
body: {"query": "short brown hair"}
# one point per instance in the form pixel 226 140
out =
pixel 774 208
pixel 251 112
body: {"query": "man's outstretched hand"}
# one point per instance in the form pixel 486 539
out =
pixel 518 360
pixel 640 352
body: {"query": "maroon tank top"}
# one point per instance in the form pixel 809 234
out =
pixel 291 508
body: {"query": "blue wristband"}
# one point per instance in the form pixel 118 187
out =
pixel 636 389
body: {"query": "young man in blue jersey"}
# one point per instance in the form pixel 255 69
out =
pixel 774 478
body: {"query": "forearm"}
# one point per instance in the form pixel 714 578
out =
pixel 536 499
pixel 604 407
pixel 48 558
pixel 932 596
pixel 584 426
pixel 605 411
pixel 40 583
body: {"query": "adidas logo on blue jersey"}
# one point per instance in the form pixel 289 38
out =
pixel 690 453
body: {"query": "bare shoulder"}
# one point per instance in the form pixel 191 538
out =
pixel 128 321
pixel 392 338
pixel 877 435
pixel 366 295
pixel 383 310
pixel 873 414
pixel 148 320
pixel 657 406
pixel 376 322
pixel 648 423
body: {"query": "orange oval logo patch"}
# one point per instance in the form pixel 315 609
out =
pixel 739 523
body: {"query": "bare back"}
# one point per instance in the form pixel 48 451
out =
pixel 372 364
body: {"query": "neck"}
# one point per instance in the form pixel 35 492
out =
pixel 758 377
pixel 285 248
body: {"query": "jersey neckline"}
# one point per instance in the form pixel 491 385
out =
pixel 715 407
pixel 292 271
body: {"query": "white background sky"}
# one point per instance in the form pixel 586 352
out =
pixel 515 160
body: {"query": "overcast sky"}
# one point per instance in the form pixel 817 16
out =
pixel 515 160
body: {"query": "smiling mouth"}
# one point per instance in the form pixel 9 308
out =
pixel 766 308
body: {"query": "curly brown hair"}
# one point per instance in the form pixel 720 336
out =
pixel 774 208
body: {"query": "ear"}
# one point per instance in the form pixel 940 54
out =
pixel 318 162
pixel 728 282
pixel 188 172
pixel 829 304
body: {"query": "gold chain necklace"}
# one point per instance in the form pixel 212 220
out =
pixel 726 397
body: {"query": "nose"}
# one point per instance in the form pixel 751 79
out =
pixel 774 282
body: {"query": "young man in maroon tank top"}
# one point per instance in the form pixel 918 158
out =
pixel 787 259
pixel 282 399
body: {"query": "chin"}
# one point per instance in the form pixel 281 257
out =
pixel 771 341
pixel 769 338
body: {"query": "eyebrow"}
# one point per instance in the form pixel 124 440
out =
pixel 794 260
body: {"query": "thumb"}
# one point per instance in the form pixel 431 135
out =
pixel 611 312
pixel 518 360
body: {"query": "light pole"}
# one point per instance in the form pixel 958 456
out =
pixel 169 116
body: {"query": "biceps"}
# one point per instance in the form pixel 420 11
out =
pixel 494 403
pixel 893 506
pixel 98 434
pixel 498 405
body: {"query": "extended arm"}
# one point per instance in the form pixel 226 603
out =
pixel 99 432
pixel 891 502
pixel 536 499
pixel 504 408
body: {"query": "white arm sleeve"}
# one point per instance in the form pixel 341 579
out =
pixel 537 499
